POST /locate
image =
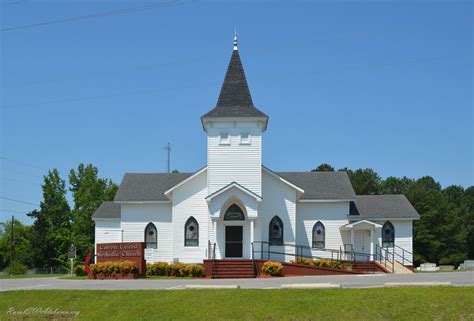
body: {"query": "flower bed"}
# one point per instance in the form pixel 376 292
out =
pixel 322 263
pixel 114 270
pixel 174 269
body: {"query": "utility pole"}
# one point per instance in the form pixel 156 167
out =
pixel 11 244
pixel 168 162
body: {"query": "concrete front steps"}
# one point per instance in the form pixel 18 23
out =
pixel 231 269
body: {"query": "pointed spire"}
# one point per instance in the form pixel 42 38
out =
pixel 235 39
pixel 235 99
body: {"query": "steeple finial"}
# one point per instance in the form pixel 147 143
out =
pixel 235 39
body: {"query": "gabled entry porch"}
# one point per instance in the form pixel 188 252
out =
pixel 234 211
pixel 363 239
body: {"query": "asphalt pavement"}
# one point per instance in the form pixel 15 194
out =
pixel 340 281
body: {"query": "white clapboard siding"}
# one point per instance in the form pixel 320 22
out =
pixel 403 238
pixel 234 162
pixel 135 218
pixel 108 231
pixel 278 200
pixel 189 200
pixel 332 214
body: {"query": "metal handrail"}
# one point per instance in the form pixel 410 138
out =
pixel 403 254
pixel 253 261
pixel 213 260
pixel 385 257
pixel 336 255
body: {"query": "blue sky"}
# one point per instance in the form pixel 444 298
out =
pixel 385 85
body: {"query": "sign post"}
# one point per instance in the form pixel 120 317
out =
pixel 71 254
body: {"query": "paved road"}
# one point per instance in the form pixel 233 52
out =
pixel 345 281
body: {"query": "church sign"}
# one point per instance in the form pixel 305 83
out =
pixel 112 252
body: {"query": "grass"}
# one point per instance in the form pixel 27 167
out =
pixel 30 276
pixel 436 303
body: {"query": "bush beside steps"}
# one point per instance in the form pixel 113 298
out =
pixel 174 269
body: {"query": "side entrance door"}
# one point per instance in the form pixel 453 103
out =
pixel 233 241
pixel 362 245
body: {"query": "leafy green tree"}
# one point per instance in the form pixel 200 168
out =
pixel 394 185
pixel 88 191
pixel 41 243
pixel 21 244
pixel 57 214
pixel 323 168
pixel 365 181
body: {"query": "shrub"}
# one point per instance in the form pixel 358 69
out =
pixel 273 268
pixel 108 268
pixel 80 270
pixel 16 268
pixel 195 270
pixel 174 269
pixel 178 269
pixel 161 268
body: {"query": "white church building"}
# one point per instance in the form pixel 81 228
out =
pixel 238 208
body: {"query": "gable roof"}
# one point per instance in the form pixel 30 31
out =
pixel 383 206
pixel 236 185
pixel 151 187
pixel 107 210
pixel 147 187
pixel 321 185
pixel 235 99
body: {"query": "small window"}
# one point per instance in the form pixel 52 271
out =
pixel 275 231
pixel 224 139
pixel 388 235
pixel 191 232
pixel 151 236
pixel 245 139
pixel 319 236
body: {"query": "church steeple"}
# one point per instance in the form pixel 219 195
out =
pixel 234 99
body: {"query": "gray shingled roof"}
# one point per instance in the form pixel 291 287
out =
pixel 383 206
pixel 148 186
pixel 151 186
pixel 321 185
pixel 108 210
pixel 235 99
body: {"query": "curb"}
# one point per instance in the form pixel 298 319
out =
pixel 415 284
pixel 310 286
pixel 198 286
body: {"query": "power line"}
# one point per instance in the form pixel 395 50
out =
pixel 12 211
pixel 97 15
pixel 135 92
pixel 22 163
pixel 18 201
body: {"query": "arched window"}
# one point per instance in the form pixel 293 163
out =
pixel 319 236
pixel 191 232
pixel 234 213
pixel 151 236
pixel 388 234
pixel 275 231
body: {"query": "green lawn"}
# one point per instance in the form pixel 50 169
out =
pixel 436 303
pixel 29 276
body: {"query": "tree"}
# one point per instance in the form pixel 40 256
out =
pixel 88 191
pixel 41 243
pixel 56 212
pixel 394 185
pixel 323 168
pixel 21 244
pixel 364 181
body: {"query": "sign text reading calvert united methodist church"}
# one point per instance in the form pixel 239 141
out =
pixel 115 250
pixel 110 252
